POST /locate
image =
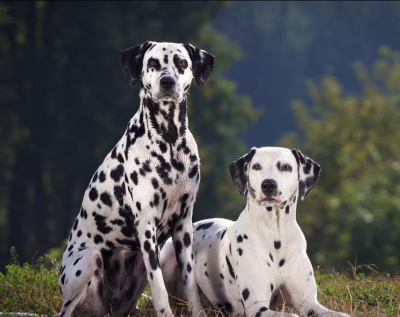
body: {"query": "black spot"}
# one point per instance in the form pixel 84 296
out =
pixel 221 275
pixel 189 268
pixel 119 193
pixel 239 239
pixel 162 146
pixel 78 273
pixel 75 224
pixel 106 199
pixel 79 233
pixel 147 234
pixel 278 165
pixel 166 62
pixel 83 213
pixel 99 263
pixel 117 222
pixel 151 275
pixel 70 247
pixel 134 177
pixel 206 274
pixel 269 208
pixel 178 165
pixel 277 244
pixel 186 239
pixel 245 236
pixel 223 233
pixel 110 244
pixel 102 177
pixel 154 182
pixel 147 246
pixel 282 262
pixel 272 287
pixel 287 209
pixel 271 257
pixel 245 294
pixel 231 272
pixel 240 251
pixel 162 311
pixel 263 309
pixel 101 223
pixel 98 239
pixel 178 247
pixel 179 228
pixel 193 171
pixel 311 313
pixel 68 303
pixel 120 158
pixel 153 260
pixel 138 206
pixel 204 226
pixel 156 200
pixel 63 279
pixel 77 260
pixel 94 179
pixel 93 194
pixel 117 173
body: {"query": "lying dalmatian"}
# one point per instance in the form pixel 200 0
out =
pixel 142 193
pixel 259 262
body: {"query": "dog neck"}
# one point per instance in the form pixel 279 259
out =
pixel 164 120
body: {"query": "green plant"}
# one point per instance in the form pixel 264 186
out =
pixel 30 287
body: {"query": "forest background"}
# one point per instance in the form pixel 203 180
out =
pixel 320 76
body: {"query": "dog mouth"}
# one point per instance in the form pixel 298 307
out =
pixel 269 200
pixel 167 96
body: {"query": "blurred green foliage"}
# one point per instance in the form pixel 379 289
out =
pixel 353 212
pixel 65 102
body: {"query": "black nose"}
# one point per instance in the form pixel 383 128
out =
pixel 269 186
pixel 167 82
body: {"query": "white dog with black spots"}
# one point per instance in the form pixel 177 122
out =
pixel 142 193
pixel 258 263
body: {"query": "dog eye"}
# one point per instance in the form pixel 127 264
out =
pixel 286 168
pixel 256 167
pixel 182 63
pixel 152 63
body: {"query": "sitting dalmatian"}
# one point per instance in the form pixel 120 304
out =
pixel 142 193
pixel 258 263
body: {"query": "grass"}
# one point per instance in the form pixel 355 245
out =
pixel 34 288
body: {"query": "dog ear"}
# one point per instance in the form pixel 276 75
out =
pixel 308 171
pixel 239 172
pixel 202 64
pixel 132 61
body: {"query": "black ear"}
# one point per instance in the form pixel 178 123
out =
pixel 202 64
pixel 308 171
pixel 239 172
pixel 132 61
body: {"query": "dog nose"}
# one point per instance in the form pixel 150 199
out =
pixel 167 82
pixel 268 186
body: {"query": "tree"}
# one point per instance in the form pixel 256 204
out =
pixel 67 102
pixel 353 211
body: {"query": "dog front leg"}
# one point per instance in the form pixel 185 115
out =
pixel 302 289
pixel 182 237
pixel 150 250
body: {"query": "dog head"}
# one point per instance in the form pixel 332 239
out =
pixel 272 175
pixel 166 69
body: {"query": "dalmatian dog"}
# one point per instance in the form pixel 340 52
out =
pixel 142 193
pixel 258 263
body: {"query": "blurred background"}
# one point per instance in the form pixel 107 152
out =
pixel 320 76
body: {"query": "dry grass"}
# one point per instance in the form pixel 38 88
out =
pixel 34 288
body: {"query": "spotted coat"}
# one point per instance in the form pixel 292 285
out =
pixel 259 262
pixel 142 193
